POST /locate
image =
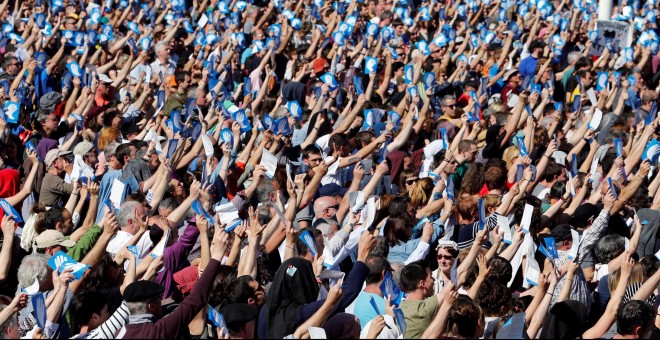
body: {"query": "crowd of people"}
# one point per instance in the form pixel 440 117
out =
pixel 329 169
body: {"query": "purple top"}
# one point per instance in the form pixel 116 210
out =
pixel 175 258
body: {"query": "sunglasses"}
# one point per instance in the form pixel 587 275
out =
pixel 453 106
pixel 412 181
pixel 446 257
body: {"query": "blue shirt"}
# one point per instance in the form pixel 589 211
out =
pixel 528 66
pixel 364 311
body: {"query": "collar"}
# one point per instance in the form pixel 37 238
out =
pixel 141 318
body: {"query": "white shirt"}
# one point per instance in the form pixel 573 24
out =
pixel 144 244
pixel 158 67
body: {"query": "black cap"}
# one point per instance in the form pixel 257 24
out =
pixel 332 189
pixel 562 232
pixel 238 314
pixel 139 291
pixel 583 214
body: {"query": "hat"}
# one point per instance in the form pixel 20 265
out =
pixel 582 215
pixel 332 189
pixel 510 73
pixel 50 101
pixel 142 290
pixel 319 64
pixel 104 79
pixel 82 148
pixel 50 238
pixel 53 155
pixel 561 233
pixel 512 101
pixel 237 314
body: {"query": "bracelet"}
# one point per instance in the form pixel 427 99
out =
pixel 446 160
pixel 548 294
pixel 546 156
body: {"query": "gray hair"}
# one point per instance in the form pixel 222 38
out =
pixel 136 308
pixel 447 97
pixel 33 267
pixel 110 149
pixel 573 57
pixel 280 112
pixel 168 203
pixel 127 211
pixel 13 319
pixel 380 247
pixel 264 189
pixel 160 46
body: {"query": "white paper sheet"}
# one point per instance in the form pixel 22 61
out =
pixel 270 162
pixel 526 221
pixel 595 120
pixel 160 247
pixel 208 145
pixel 117 193
pixel 533 272
pixel 227 213
pixel 592 97
pixel 505 229
pixel 572 253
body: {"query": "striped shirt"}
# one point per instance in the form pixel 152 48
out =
pixel 108 329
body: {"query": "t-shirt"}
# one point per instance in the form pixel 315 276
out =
pixel 363 309
pixel 419 314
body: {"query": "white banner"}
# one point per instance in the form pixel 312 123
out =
pixel 616 33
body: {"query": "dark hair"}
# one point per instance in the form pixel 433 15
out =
pixel 463 318
pixel 51 217
pixel 363 137
pixel 85 304
pixel 633 314
pixel 338 139
pixel 412 274
pixel 650 264
pixel 492 297
pixel 399 205
pixel 473 180
pixel 495 178
pixel 97 277
pixel 123 150
pixel 310 149
pixel 223 278
pixel 398 228
pixel 500 270
pixel 239 291
pixel 377 265
pixel 300 245
pixel 609 247
pixel 519 208
pixel 552 170
pixel 558 189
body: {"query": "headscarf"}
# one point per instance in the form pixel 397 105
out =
pixel 566 320
pixel 294 286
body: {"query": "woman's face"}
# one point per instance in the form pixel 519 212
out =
pixel 445 260
pixel 410 182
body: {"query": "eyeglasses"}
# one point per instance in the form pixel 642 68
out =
pixel 446 257
pixel 411 181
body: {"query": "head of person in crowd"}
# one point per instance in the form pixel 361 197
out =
pixel 144 297
pixel 635 320
pixel 241 320
pixel 89 310
pixel 417 281
pixel 465 319
pixel 447 255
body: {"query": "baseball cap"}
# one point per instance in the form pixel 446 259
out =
pixel 53 155
pixel 82 148
pixel 51 238
pixel 332 189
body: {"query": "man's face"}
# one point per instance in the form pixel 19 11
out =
pixel 587 80
pixel 113 162
pixel 92 157
pixel 258 35
pixel 451 167
pixel 428 283
pixel 313 160
pixel 13 67
pixel 98 319
pixel 133 153
pixel 67 226
pixel 259 293
pixel 449 107
pixel 50 123
pixel 184 84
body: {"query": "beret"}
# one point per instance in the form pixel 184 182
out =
pixel 142 290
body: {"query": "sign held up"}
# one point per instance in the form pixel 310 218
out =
pixel 614 34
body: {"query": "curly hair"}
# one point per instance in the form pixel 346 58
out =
pixel 494 298
pixel 473 180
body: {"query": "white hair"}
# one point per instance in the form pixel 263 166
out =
pixel 33 267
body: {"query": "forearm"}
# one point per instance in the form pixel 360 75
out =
pixel 5 256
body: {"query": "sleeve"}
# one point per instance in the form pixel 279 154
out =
pixel 352 287
pixel 109 328
pixel 85 243
pixel 419 253
pixel 177 321
pixel 592 234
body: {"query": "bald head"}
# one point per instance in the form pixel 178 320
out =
pixel 325 207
